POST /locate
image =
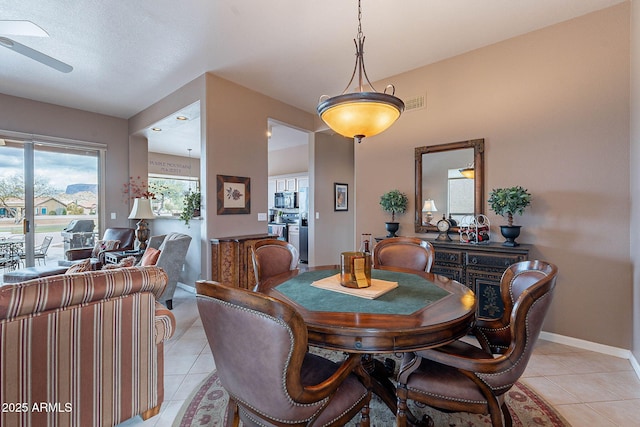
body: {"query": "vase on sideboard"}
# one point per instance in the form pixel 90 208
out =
pixel 511 233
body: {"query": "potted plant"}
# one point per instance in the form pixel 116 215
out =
pixel 191 206
pixel 394 202
pixel 509 201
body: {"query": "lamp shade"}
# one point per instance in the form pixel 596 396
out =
pixel 141 209
pixel 468 172
pixel 429 206
pixel 360 114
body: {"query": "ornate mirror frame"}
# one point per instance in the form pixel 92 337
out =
pixel 478 159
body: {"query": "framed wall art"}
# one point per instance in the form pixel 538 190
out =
pixel 233 195
pixel 341 197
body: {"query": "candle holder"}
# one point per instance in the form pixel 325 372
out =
pixel 355 269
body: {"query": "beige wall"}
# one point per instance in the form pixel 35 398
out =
pixel 332 232
pixel 236 133
pixel 553 107
pixel 635 170
pixel 38 118
pixel 289 160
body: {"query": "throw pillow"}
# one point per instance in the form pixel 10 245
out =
pixel 104 245
pixel 79 267
pixel 124 262
pixel 150 256
pixel 127 262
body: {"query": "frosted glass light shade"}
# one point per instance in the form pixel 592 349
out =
pixel 360 114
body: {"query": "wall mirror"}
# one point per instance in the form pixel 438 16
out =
pixel 450 179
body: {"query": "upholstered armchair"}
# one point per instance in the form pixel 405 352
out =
pixel 125 238
pixel 173 249
pixel 271 257
pixel 404 252
pixel 259 344
pixel 91 343
pixel 461 377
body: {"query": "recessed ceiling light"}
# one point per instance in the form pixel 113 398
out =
pixel 156 129
pixel 182 118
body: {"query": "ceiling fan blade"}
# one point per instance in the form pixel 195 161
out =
pixel 21 28
pixel 35 55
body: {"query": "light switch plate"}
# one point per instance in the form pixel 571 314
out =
pixel 262 216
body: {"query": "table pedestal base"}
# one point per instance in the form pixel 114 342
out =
pixel 382 386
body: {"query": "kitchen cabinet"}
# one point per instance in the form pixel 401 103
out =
pixel 231 261
pixel 291 184
pixel 480 268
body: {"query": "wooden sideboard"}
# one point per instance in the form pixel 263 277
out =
pixel 231 259
pixel 480 268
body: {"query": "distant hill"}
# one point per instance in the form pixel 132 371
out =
pixel 79 188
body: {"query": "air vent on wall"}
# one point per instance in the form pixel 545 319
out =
pixel 415 103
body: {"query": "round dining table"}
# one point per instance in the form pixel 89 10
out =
pixel 423 311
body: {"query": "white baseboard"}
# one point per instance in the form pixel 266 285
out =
pixel 635 364
pixel 186 287
pixel 592 346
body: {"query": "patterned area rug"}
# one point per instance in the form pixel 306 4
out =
pixel 206 407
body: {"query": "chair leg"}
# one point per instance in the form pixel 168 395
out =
pixel 508 421
pixel 496 415
pixel 170 304
pixel 150 412
pixel 364 416
pixel 233 418
pixel 401 411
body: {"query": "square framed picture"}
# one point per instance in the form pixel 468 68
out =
pixel 233 195
pixel 341 197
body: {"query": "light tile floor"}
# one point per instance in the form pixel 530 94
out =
pixel 587 388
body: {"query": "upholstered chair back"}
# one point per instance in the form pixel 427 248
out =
pixel 404 252
pixel 272 257
pixel 259 345
pixel 530 286
pixel 126 236
pixel 496 335
pixel 173 249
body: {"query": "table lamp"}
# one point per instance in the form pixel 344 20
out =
pixel 427 209
pixel 142 211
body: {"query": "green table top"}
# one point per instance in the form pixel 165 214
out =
pixel 413 293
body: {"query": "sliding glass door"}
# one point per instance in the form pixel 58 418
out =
pixel 44 186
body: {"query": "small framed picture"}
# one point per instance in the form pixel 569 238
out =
pixel 341 197
pixel 233 195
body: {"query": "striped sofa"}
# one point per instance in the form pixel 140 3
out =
pixel 83 349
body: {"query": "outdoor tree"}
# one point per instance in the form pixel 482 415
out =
pixel 12 187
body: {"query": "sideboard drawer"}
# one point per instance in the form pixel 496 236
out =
pixel 497 261
pixel 449 257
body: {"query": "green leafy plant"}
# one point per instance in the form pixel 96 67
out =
pixel 394 202
pixel 509 201
pixel 191 206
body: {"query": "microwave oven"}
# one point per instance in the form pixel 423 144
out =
pixel 285 200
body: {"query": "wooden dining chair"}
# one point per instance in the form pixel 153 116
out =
pixel 271 257
pixel 404 252
pixel 259 346
pixel 461 377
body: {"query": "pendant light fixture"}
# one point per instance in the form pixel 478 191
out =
pixel 360 114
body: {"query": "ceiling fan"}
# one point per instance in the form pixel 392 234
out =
pixel 28 28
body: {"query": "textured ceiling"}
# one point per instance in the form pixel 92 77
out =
pixel 128 55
